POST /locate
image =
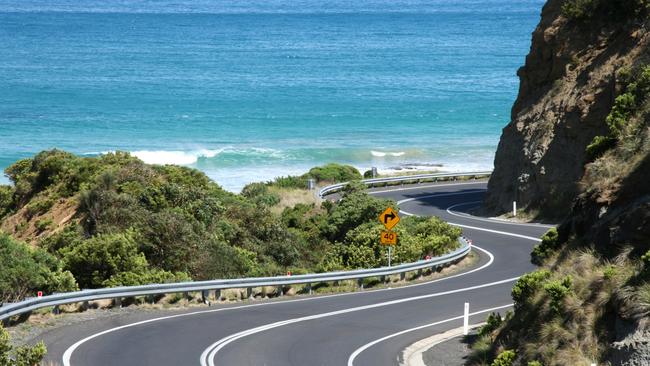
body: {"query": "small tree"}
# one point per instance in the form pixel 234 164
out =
pixel 21 356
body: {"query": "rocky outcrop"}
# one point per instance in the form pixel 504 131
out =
pixel 575 70
pixel 568 86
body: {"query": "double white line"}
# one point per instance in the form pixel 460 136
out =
pixel 209 354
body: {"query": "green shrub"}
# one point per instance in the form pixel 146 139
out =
pixel 39 206
pixel 624 106
pixel 43 224
pixel 149 276
pixel 550 243
pixel 354 209
pixel 26 271
pixel 290 182
pixel 609 272
pixel 557 291
pixel 334 173
pixel 435 236
pixel 21 356
pixel 598 146
pixel 6 200
pixel 70 236
pixel 505 358
pixel 535 363
pixel 579 9
pixel 260 195
pixel 239 262
pixel 493 322
pixel 527 285
pixel 94 261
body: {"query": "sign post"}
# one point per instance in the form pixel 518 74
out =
pixel 389 219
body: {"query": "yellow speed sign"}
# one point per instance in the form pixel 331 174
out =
pixel 388 237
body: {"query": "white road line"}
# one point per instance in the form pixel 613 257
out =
pixel 209 354
pixel 402 212
pixel 67 355
pixel 466 216
pixel 425 186
pixel 436 195
pixel 493 221
pixel 359 350
pixel 498 232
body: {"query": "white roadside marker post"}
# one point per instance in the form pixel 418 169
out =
pixel 514 208
pixel 389 254
pixel 466 320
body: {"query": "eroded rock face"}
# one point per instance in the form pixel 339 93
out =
pixel 633 349
pixel 567 88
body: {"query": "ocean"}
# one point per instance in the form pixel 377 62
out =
pixel 249 90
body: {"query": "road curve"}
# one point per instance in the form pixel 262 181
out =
pixel 363 328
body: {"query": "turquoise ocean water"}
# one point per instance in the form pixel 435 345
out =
pixel 249 90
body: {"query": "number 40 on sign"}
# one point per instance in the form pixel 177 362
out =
pixel 388 237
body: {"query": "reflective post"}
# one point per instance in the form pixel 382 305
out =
pixel 466 319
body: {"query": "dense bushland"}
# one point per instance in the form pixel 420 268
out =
pixel 25 270
pixel 113 220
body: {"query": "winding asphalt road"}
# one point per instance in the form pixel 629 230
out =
pixel 363 328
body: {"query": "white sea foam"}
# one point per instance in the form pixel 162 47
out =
pixel 174 157
pixel 381 154
pixel 189 157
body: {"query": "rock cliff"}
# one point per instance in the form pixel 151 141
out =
pixel 577 150
pixel 568 86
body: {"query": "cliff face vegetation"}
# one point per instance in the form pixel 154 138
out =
pixel 578 148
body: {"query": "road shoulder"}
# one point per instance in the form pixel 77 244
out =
pixel 449 348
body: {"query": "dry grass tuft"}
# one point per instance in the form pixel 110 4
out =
pixel 291 197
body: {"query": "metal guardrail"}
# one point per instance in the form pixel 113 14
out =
pixel 26 306
pixel 401 179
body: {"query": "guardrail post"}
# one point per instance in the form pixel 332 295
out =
pixel 419 272
pixel 360 283
pixel 56 310
pixel 249 292
pixel 85 305
pixel 309 288
pixel 205 296
pixel 280 291
pixel 382 279
pixel 117 302
pixel 217 294
pixel 402 276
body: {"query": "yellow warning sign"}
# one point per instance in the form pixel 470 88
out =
pixel 389 218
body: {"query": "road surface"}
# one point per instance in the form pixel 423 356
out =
pixel 368 328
